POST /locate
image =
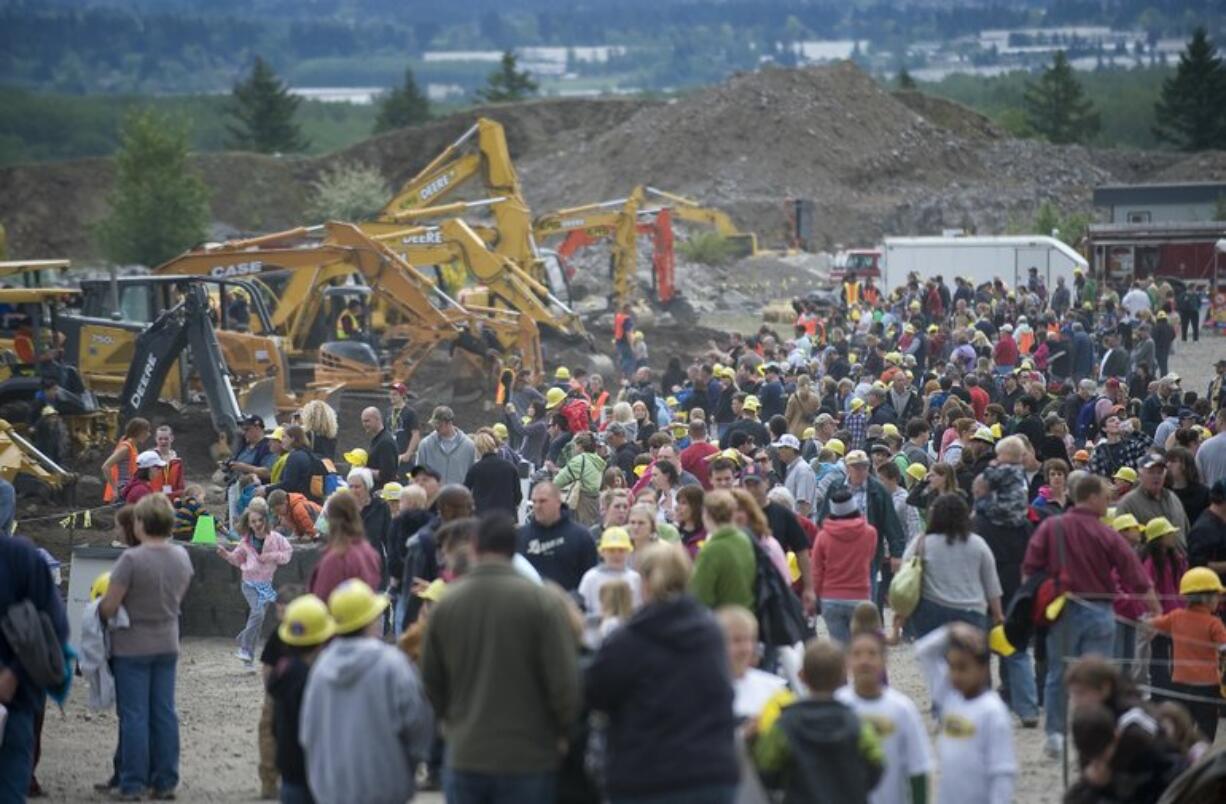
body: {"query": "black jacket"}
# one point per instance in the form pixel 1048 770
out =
pixel 663 680
pixel 287 687
pixel 403 526
pixel 561 552
pixel 384 458
pixel 827 764
pixel 883 414
pixel 494 482
pixel 1207 540
pixel 1008 545
pixel 296 474
pixel 377 521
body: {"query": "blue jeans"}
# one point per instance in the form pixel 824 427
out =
pixel 929 616
pixel 295 794
pixel 148 725
pixel 1023 692
pixel 462 787
pixel 837 614
pixel 248 639
pixel 17 756
pixel 1083 629
pixel 712 794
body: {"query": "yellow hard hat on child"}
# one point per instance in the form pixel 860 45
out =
pixel 1158 527
pixel 354 605
pixel 98 588
pixel 1125 522
pixel 1200 580
pixel 615 539
pixel 500 431
pixel 356 458
pixel 561 373
pixel 306 622
pixel 836 446
pixel 434 592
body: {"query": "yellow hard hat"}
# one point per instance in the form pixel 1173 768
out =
pixel 354 605
pixel 808 433
pixel 1125 522
pixel 640 470
pixel 837 446
pixel 500 431
pixel 857 403
pixel 278 433
pixel 615 539
pixel 671 402
pixel 999 643
pixel 561 373
pixel 1158 527
pixel 933 328
pixel 889 429
pixel 98 588
pixel 391 491
pixel 752 403
pixel 306 622
pixel 434 592
pixel 1198 580
pixel 984 434
pixel 914 305
pixel 893 357
pixel 1126 473
pixel 998 432
pixel 356 458
pixel 554 397
pixel 917 471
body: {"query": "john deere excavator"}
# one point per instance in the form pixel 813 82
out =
pixel 311 262
pixel 745 244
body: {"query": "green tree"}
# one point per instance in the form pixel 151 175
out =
pixel 404 106
pixel 1070 228
pixel 508 82
pixel 347 192
pixel 1056 107
pixel 1191 113
pixel 159 205
pixel 905 81
pixel 264 109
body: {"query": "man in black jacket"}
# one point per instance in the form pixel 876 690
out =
pixel 1115 361
pixel 1207 539
pixel 383 458
pixel 560 549
pixel 421 553
pixel 622 451
pixel 1029 424
pixel 493 480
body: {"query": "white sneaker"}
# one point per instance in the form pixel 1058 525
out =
pixel 244 656
pixel 1053 746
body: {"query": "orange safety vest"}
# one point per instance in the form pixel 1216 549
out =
pixel 851 292
pixel 120 474
pixel 619 326
pixel 168 479
pixel 871 295
pixel 1025 343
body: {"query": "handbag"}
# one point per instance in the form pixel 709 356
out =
pixel 908 583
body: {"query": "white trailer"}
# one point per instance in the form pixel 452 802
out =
pixel 983 259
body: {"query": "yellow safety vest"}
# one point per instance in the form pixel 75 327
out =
pixel 341 334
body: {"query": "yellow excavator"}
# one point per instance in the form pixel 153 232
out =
pixel 311 262
pixel 745 244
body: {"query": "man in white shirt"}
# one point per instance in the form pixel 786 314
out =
pixel 1135 300
pixel 800 480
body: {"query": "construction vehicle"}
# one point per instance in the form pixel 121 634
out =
pixel 38 348
pixel 21 459
pixel 183 330
pixel 417 315
pixel 744 244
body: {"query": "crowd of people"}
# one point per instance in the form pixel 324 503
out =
pixel 614 590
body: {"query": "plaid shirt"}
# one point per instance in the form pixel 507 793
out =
pixel 856 424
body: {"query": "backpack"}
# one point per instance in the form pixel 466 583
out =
pixel 324 479
pixel 31 635
pixel 781 617
pixel 578 415
pixel 1087 422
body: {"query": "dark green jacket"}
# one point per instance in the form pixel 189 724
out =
pixel 500 664
pixel 725 570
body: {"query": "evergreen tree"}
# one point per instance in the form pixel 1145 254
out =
pixel 1191 112
pixel 905 81
pixel 264 109
pixel 159 205
pixel 1056 106
pixel 508 82
pixel 404 106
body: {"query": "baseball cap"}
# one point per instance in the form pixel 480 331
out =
pixel 855 457
pixel 787 440
pixel 1152 459
pixel 442 413
pixel 879 447
pixel 824 418
pixel 400 388
pixel 251 420
pixel 149 459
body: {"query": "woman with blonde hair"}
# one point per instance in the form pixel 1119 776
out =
pixel 319 421
pixel 623 414
pixel 750 518
pixel 348 554
pixel 641 523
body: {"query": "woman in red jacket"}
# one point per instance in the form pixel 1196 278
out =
pixel 842 559
pixel 348 554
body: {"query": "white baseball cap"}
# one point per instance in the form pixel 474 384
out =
pixel 787 440
pixel 149 459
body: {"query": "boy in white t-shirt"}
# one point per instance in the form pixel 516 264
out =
pixel 752 688
pixel 975 746
pixel 908 759
pixel 615 547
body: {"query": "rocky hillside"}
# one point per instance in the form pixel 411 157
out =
pixel 875 162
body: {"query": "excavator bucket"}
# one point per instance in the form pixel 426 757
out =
pixel 260 398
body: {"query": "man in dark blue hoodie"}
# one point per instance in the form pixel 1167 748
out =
pixel 560 549
pixel 23 576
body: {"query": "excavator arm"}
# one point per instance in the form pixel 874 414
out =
pixel 186 326
pixel 689 210
pixel 482 149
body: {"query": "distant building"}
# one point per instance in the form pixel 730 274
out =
pixel 1176 202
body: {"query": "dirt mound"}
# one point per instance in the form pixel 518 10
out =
pixel 950 115
pixel 1207 166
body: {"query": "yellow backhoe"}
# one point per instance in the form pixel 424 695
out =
pixel 745 243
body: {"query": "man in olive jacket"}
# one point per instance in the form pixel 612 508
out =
pixel 500 665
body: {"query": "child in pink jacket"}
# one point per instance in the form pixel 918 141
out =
pixel 258 555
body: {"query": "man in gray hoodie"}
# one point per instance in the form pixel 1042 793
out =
pixel 365 722
pixel 447 450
